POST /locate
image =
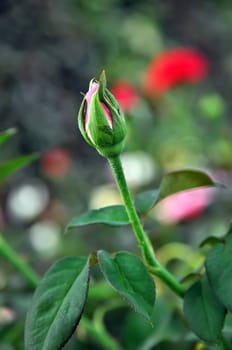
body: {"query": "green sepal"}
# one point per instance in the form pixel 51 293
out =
pixel 99 126
pixel 102 85
pixel 81 122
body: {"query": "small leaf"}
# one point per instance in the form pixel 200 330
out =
pixel 130 278
pixel 146 200
pixel 11 166
pixel 210 241
pixel 203 311
pixel 183 180
pixel 172 183
pixel 229 231
pixel 114 215
pixel 57 304
pixel 219 271
pixel 5 135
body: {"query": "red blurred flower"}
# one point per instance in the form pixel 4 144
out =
pixel 125 94
pixel 172 67
pixel 56 162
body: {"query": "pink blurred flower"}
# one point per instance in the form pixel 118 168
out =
pixel 56 162
pixel 125 94
pixel 172 67
pixel 185 205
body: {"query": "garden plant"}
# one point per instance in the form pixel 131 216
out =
pixel 115 189
pixel 161 310
pixel 203 296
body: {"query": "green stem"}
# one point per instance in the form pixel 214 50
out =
pixel 101 291
pixel 99 334
pixel 144 242
pixel 10 255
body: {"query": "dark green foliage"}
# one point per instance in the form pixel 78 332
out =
pixel 130 278
pixel 203 311
pixel 114 215
pixel 219 271
pixel 57 304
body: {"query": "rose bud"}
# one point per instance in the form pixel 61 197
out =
pixel 101 120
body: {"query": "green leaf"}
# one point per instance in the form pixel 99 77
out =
pixel 57 304
pixel 172 183
pixel 114 215
pixel 210 241
pixel 130 278
pixel 203 311
pixel 219 271
pixel 11 166
pixel 183 180
pixel 229 232
pixel 5 135
pixel 146 200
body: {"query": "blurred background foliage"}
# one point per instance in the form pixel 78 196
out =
pixel 50 49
